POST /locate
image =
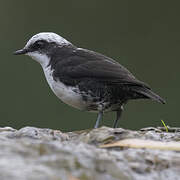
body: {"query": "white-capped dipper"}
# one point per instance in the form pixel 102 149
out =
pixel 85 79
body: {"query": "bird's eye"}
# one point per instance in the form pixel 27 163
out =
pixel 39 44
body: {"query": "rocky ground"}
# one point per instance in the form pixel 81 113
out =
pixel 99 154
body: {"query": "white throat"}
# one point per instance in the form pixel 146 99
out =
pixel 43 59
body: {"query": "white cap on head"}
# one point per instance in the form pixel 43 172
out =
pixel 49 37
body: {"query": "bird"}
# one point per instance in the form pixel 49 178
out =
pixel 85 79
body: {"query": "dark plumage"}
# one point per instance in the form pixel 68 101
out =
pixel 102 80
pixel 103 83
pixel 99 74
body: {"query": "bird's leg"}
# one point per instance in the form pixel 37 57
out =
pixel 99 118
pixel 118 116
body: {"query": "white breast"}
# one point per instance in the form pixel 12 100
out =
pixel 63 92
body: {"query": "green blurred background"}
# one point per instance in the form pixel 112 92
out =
pixel 144 36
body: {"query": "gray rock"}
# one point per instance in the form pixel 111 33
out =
pixel 44 154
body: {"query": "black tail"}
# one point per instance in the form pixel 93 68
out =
pixel 148 93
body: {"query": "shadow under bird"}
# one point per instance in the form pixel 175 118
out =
pixel 85 79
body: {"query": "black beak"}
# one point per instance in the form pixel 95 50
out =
pixel 21 51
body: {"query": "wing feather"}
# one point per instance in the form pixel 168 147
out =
pixel 83 64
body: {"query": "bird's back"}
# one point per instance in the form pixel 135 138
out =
pixel 100 79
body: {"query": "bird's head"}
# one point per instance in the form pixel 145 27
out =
pixel 42 45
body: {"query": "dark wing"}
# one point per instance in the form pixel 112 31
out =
pixel 85 64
